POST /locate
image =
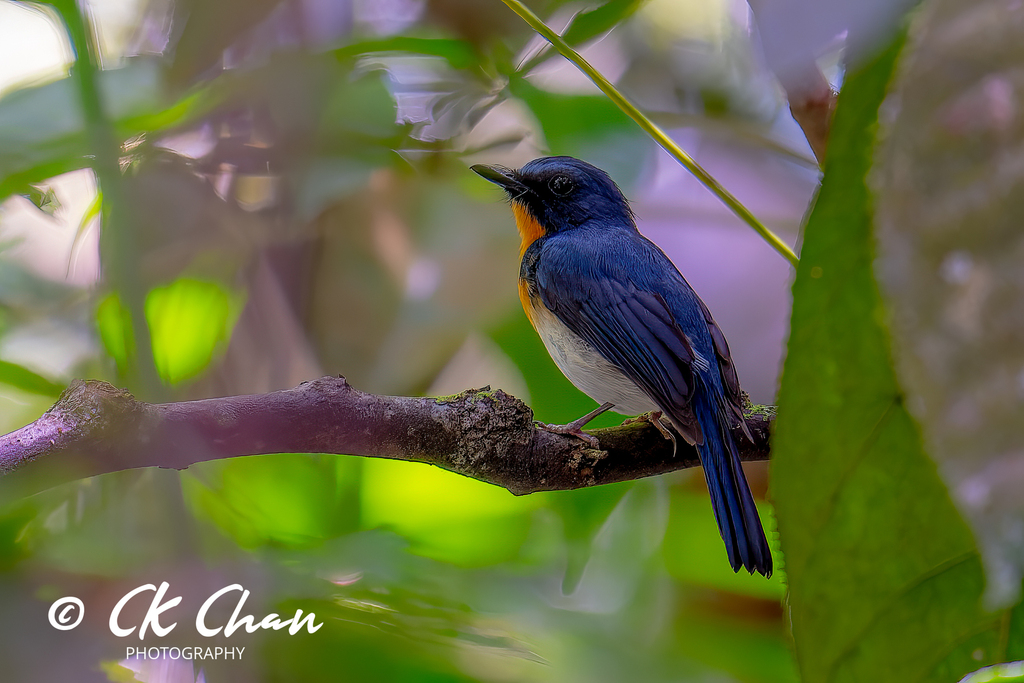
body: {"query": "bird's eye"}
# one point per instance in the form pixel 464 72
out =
pixel 561 185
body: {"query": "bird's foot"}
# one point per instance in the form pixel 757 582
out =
pixel 654 418
pixel 569 430
pixel 575 428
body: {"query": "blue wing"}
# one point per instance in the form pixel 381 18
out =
pixel 597 296
pixel 621 294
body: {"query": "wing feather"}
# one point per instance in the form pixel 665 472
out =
pixel 730 380
pixel 633 329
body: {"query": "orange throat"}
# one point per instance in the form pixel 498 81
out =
pixel 524 297
pixel 529 229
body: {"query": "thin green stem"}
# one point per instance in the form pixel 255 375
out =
pixel 652 129
pixel 118 234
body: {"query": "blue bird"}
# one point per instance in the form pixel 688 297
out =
pixel 624 326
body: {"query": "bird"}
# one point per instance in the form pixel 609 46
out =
pixel 625 327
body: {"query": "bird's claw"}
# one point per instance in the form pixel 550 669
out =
pixel 570 429
pixel 575 428
pixel 654 419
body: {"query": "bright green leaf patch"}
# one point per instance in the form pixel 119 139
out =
pixel 884 576
pixel 114 322
pixel 189 321
pixel 288 500
pixel 445 516
pixel 1004 673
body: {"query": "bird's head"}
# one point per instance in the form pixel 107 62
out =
pixel 553 194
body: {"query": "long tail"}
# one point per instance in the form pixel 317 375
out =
pixel 730 495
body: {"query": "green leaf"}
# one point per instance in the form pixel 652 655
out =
pixel 744 648
pixel 26 380
pixel 115 327
pixel 1004 673
pixel 445 516
pixel 13 520
pixel 884 576
pixel 589 24
pixel 46 201
pixel 365 639
pixel 42 132
pixel 289 500
pixel 458 53
pixel 190 321
pixel 592 23
pixel 92 212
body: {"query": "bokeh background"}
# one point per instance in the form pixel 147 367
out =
pixel 297 202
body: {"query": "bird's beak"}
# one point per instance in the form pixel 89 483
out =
pixel 505 178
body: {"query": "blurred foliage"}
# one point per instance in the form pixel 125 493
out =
pixel 285 500
pixel 189 320
pixel 1008 673
pixel 949 265
pixel 301 205
pixel 308 210
pixel 885 577
pixel 22 378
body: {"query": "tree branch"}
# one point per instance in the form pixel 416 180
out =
pixel 95 428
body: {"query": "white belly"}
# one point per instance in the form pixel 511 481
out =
pixel 586 368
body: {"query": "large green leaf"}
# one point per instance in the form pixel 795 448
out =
pixel 885 580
